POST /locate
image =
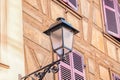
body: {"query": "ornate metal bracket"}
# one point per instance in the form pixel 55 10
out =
pixel 40 73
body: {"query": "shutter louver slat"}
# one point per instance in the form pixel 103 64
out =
pixel 67 60
pixel 78 77
pixel 65 73
pixel 77 62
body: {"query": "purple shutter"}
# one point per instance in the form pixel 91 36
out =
pixel 118 7
pixel 72 67
pixel 111 17
pixel 73 4
pixel 65 1
pixel 65 72
pixel 78 66
pixel 77 60
pixel 118 15
pixel 78 77
pixel 115 76
pixel 67 60
pixel 109 3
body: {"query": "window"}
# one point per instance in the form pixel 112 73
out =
pixel 72 68
pixel 115 76
pixel 72 3
pixel 112 17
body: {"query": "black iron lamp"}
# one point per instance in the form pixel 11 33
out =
pixel 61 34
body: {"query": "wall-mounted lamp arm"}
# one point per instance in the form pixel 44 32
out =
pixel 45 69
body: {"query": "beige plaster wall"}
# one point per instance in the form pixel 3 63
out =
pixel 101 52
pixel 12 51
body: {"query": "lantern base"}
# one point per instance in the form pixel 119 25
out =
pixel 61 52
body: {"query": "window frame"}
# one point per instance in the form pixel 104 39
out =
pixel 65 1
pixel 71 4
pixel 118 16
pixel 105 18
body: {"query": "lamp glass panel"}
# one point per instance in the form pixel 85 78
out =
pixel 68 38
pixel 60 52
pixel 56 38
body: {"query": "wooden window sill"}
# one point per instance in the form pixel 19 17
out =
pixel 2 65
pixel 111 38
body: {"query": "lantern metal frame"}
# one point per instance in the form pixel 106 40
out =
pixel 61 22
pixel 52 67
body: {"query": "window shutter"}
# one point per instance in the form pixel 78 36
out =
pixel 73 4
pixel 78 77
pixel 111 17
pixel 115 76
pixel 118 6
pixel 77 60
pixel 72 68
pixel 65 72
pixel 118 16
pixel 109 3
pixel 65 1
pixel 67 60
pixel 78 66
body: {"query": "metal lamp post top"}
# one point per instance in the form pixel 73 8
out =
pixel 60 22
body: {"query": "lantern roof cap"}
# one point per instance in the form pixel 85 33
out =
pixel 60 22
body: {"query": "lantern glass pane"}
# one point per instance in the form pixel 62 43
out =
pixel 68 38
pixel 60 52
pixel 56 38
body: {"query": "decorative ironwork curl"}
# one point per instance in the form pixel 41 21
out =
pixel 40 73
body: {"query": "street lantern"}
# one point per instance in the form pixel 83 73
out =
pixel 61 34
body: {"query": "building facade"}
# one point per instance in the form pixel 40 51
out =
pixel 11 40
pixel 25 48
